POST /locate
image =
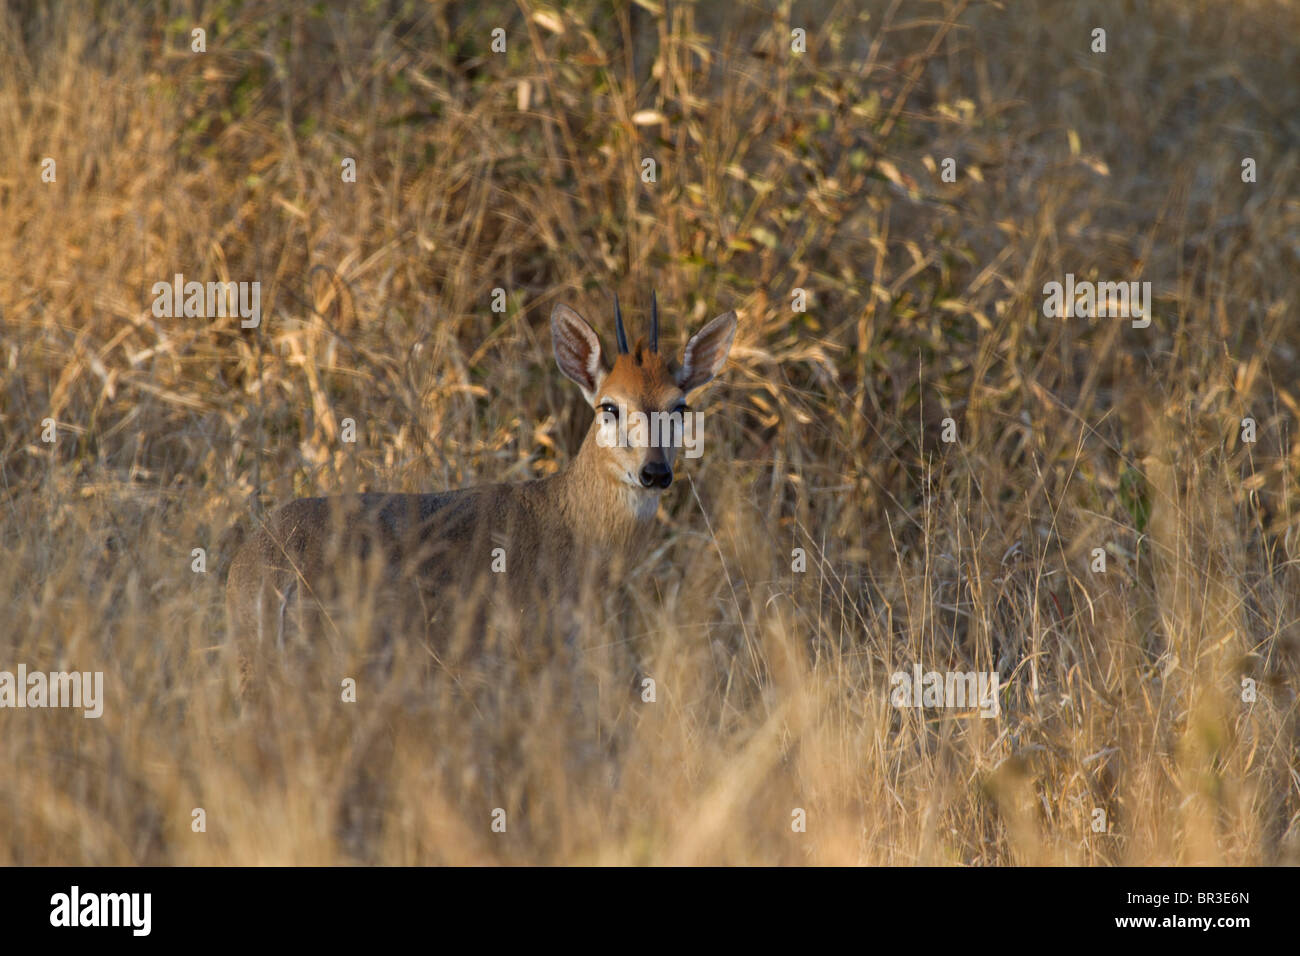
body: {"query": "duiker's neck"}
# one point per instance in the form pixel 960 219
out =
pixel 596 504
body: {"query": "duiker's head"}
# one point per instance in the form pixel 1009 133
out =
pixel 640 400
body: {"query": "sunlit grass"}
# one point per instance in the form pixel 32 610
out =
pixel 522 171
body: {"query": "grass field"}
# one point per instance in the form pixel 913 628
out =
pixel 829 537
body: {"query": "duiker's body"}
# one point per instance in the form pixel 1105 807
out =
pixel 513 545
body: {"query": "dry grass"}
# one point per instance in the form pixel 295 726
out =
pixel 521 171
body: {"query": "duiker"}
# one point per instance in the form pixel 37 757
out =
pixel 507 542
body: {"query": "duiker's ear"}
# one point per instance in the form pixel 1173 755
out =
pixel 706 352
pixel 577 350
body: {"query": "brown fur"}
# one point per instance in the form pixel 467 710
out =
pixel 438 541
pixel 421 549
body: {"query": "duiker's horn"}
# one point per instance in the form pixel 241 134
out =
pixel 618 327
pixel 654 322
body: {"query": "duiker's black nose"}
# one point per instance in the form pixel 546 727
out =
pixel 656 474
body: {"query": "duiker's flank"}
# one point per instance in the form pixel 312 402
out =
pixel 544 534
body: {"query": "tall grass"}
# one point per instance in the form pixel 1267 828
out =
pixel 521 171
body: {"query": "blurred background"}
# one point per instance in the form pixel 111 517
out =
pixel 1124 735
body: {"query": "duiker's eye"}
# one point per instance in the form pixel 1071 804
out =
pixel 609 408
